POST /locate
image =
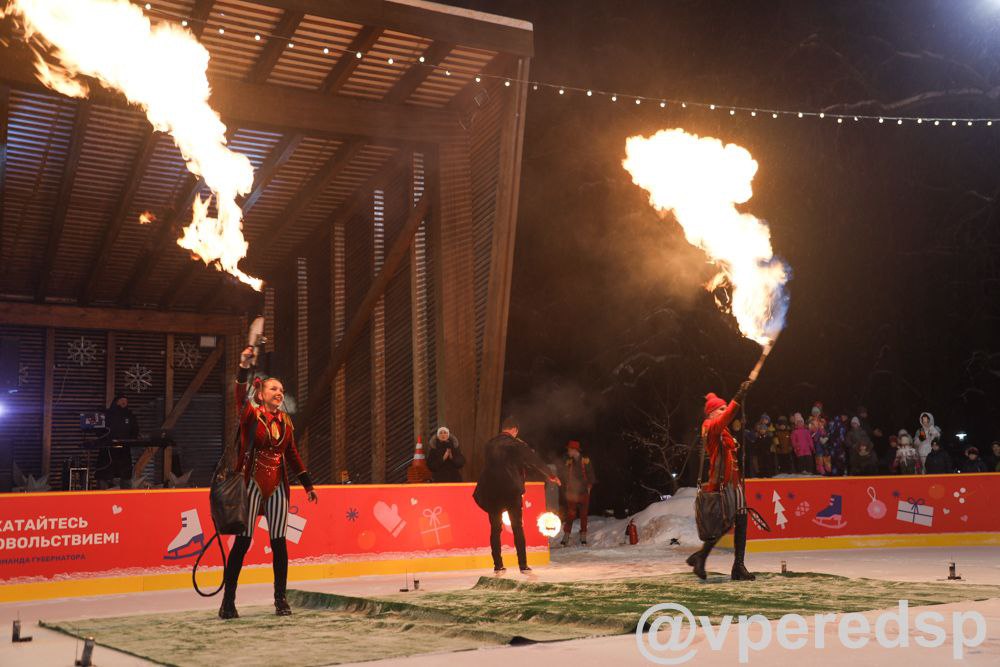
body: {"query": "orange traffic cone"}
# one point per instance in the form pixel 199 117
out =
pixel 418 472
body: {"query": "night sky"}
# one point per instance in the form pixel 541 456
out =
pixel 892 232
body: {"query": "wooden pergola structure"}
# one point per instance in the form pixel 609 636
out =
pixel 382 218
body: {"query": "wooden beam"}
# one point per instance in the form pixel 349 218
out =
pixel 47 391
pixel 410 81
pixel 461 26
pixel 174 414
pixel 281 35
pixel 313 189
pixel 342 71
pixel 160 242
pixel 491 371
pixel 48 315
pixel 199 16
pixel 61 207
pixel 275 107
pixel 122 208
pixel 349 207
pixel 319 389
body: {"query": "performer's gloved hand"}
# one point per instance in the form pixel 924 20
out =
pixel 245 356
pixel 744 389
pixel 313 498
pixel 555 480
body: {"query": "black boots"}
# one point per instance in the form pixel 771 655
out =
pixel 231 577
pixel 698 558
pixel 279 553
pixel 740 572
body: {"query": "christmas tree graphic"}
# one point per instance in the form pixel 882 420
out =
pixel 779 511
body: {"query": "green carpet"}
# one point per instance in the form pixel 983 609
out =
pixel 330 629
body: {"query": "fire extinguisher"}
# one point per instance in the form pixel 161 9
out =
pixel 632 532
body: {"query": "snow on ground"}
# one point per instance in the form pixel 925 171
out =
pixel 659 523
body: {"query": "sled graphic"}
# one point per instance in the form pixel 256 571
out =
pixel 832 516
pixel 183 545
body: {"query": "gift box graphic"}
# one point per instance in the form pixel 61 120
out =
pixel 435 527
pixel 913 510
pixel 293 530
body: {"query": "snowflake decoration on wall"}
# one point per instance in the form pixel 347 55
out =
pixel 23 373
pixel 186 355
pixel 138 378
pixel 81 351
pixel 352 514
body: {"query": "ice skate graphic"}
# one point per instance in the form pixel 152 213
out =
pixel 832 515
pixel 183 546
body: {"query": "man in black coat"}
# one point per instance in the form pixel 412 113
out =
pixel 444 458
pixel 501 486
pixel 115 461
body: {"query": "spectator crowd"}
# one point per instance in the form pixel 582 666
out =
pixel 843 444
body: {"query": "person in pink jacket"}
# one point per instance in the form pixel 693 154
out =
pixel 802 445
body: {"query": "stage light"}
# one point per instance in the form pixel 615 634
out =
pixel 358 55
pixel 507 83
pixel 881 120
pixel 148 6
pixel 421 59
pixel 326 50
pixel 256 38
pixel 184 23
pixel 822 115
pixel 800 114
pixel 549 524
pixel 291 45
pixel 753 113
pixel 732 112
pixel 663 105
pixel 222 31
pixel 3 408
pixel 590 93
pixel 774 115
pixel 712 107
pixel 961 435
pixel 840 120
pixel 389 60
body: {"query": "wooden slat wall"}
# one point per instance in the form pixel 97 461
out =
pixel 378 409
pixel 399 379
pixel 76 389
pixel 199 431
pixel 147 350
pixel 424 302
pixel 358 277
pixel 320 457
pixel 22 417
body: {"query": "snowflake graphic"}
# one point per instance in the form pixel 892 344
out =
pixel 896 494
pixel 23 374
pixel 186 355
pixel 791 495
pixel 758 496
pixel 81 351
pixel 352 514
pixel 138 378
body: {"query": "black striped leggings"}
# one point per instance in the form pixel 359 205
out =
pixel 275 510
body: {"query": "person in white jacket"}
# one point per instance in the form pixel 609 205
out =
pixel 925 434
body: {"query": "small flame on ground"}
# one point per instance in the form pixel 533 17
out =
pixel 161 69
pixel 147 217
pixel 701 180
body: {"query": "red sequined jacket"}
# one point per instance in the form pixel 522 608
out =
pixel 271 438
pixel 721 448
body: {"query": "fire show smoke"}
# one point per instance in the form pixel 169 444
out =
pixel 700 180
pixel 161 69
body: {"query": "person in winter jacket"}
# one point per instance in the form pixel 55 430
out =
pixel 888 458
pixel 724 471
pixel 817 431
pixel 784 454
pixel 762 447
pixel 802 444
pixel 938 461
pixel 115 461
pixel 444 457
pixel 837 444
pixel 972 462
pixel 996 455
pixel 864 462
pixel 855 436
pixel 501 487
pixel 577 476
pixel 907 460
pixel 927 432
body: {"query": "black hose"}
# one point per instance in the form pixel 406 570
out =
pixel 194 570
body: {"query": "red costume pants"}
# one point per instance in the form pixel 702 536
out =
pixel 580 508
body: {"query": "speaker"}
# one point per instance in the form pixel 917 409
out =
pixel 9 350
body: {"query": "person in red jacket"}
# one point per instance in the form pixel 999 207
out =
pixel 723 451
pixel 266 452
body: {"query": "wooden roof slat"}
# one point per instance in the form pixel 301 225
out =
pixel 417 74
pixel 276 45
pixel 118 218
pixel 4 122
pixel 456 26
pixel 347 63
pixel 62 199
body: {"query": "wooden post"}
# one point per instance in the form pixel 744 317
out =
pixel 338 321
pixel 50 362
pixel 168 403
pixel 501 267
pixel 231 345
pixel 454 321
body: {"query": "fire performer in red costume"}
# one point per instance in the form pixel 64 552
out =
pixel 722 450
pixel 267 450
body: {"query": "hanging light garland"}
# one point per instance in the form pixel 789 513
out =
pixel 564 90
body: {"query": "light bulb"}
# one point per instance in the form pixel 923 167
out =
pixel 256 38
pixel 358 55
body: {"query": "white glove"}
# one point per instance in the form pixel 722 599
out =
pixel 389 518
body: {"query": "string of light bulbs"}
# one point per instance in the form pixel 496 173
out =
pixel 233 27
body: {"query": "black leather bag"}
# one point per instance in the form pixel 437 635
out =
pixel 228 498
pixel 714 511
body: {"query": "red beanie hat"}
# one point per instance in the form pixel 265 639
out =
pixel 573 444
pixel 712 402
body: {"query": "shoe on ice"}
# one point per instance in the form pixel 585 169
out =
pixel 228 610
pixel 741 573
pixel 281 607
pixel 697 561
pixel 525 569
pixel 499 570
pixel 564 541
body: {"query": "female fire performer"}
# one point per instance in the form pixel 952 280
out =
pixel 267 449
pixel 722 449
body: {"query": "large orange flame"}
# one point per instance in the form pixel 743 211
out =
pixel 161 69
pixel 701 181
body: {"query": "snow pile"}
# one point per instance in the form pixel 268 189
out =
pixel 662 521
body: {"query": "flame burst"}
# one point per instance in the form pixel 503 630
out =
pixel 161 69
pixel 147 217
pixel 701 180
